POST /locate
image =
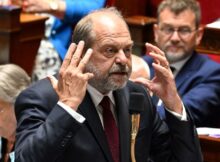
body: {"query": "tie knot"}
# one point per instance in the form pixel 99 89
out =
pixel 172 69
pixel 105 103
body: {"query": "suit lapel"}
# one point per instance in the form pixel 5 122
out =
pixel 88 110
pixel 190 67
pixel 121 100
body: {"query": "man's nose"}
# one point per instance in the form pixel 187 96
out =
pixel 175 35
pixel 121 57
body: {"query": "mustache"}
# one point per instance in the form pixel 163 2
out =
pixel 120 69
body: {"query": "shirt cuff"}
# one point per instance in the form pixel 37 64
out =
pixel 72 112
pixel 182 117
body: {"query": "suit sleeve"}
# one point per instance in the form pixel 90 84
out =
pixel 201 95
pixel 172 140
pixel 44 129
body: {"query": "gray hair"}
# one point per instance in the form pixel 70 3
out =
pixel 13 79
pixel 178 6
pixel 84 28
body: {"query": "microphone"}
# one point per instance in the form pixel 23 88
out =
pixel 135 108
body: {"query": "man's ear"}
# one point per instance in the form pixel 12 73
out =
pixel 199 34
pixel 156 29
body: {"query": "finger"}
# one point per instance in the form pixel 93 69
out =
pixel 161 71
pixel 68 56
pixel 53 81
pixel 77 54
pixel 88 76
pixel 161 60
pixel 85 59
pixel 152 48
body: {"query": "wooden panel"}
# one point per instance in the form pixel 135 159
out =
pixel 20 36
pixel 132 7
pixel 210 42
pixel 9 28
pixel 31 33
pixel 210 148
pixel 141 32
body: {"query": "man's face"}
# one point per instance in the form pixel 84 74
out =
pixel 111 59
pixel 7 119
pixel 177 35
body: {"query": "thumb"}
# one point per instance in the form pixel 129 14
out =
pixel 53 81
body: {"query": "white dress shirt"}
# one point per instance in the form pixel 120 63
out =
pixel 96 97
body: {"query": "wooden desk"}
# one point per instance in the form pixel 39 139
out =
pixel 20 37
pixel 141 28
pixel 210 42
pixel 210 148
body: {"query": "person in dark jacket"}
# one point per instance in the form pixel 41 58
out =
pixel 63 118
pixel 177 33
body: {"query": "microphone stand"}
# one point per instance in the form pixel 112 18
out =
pixel 135 119
pixel 136 106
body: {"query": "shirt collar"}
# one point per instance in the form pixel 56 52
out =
pixel 178 65
pixel 97 96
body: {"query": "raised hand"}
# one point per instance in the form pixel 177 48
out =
pixel 163 84
pixel 72 80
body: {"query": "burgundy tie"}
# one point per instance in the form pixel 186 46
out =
pixel 172 69
pixel 111 130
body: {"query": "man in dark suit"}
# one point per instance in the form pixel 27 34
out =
pixel 60 119
pixel 177 33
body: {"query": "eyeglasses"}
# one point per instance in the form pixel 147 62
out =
pixel 183 32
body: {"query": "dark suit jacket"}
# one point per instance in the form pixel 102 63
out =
pixel 4 150
pixel 47 133
pixel 198 83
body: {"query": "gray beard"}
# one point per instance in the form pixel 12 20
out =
pixel 104 84
pixel 172 58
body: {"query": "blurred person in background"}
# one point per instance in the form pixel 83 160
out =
pixel 63 15
pixel 177 33
pixel 13 80
pixel 139 68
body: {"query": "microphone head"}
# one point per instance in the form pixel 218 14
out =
pixel 136 105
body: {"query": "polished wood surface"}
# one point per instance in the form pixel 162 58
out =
pixel 9 29
pixel 132 7
pixel 20 36
pixel 141 28
pixel 210 42
pixel 210 148
pixel 32 31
